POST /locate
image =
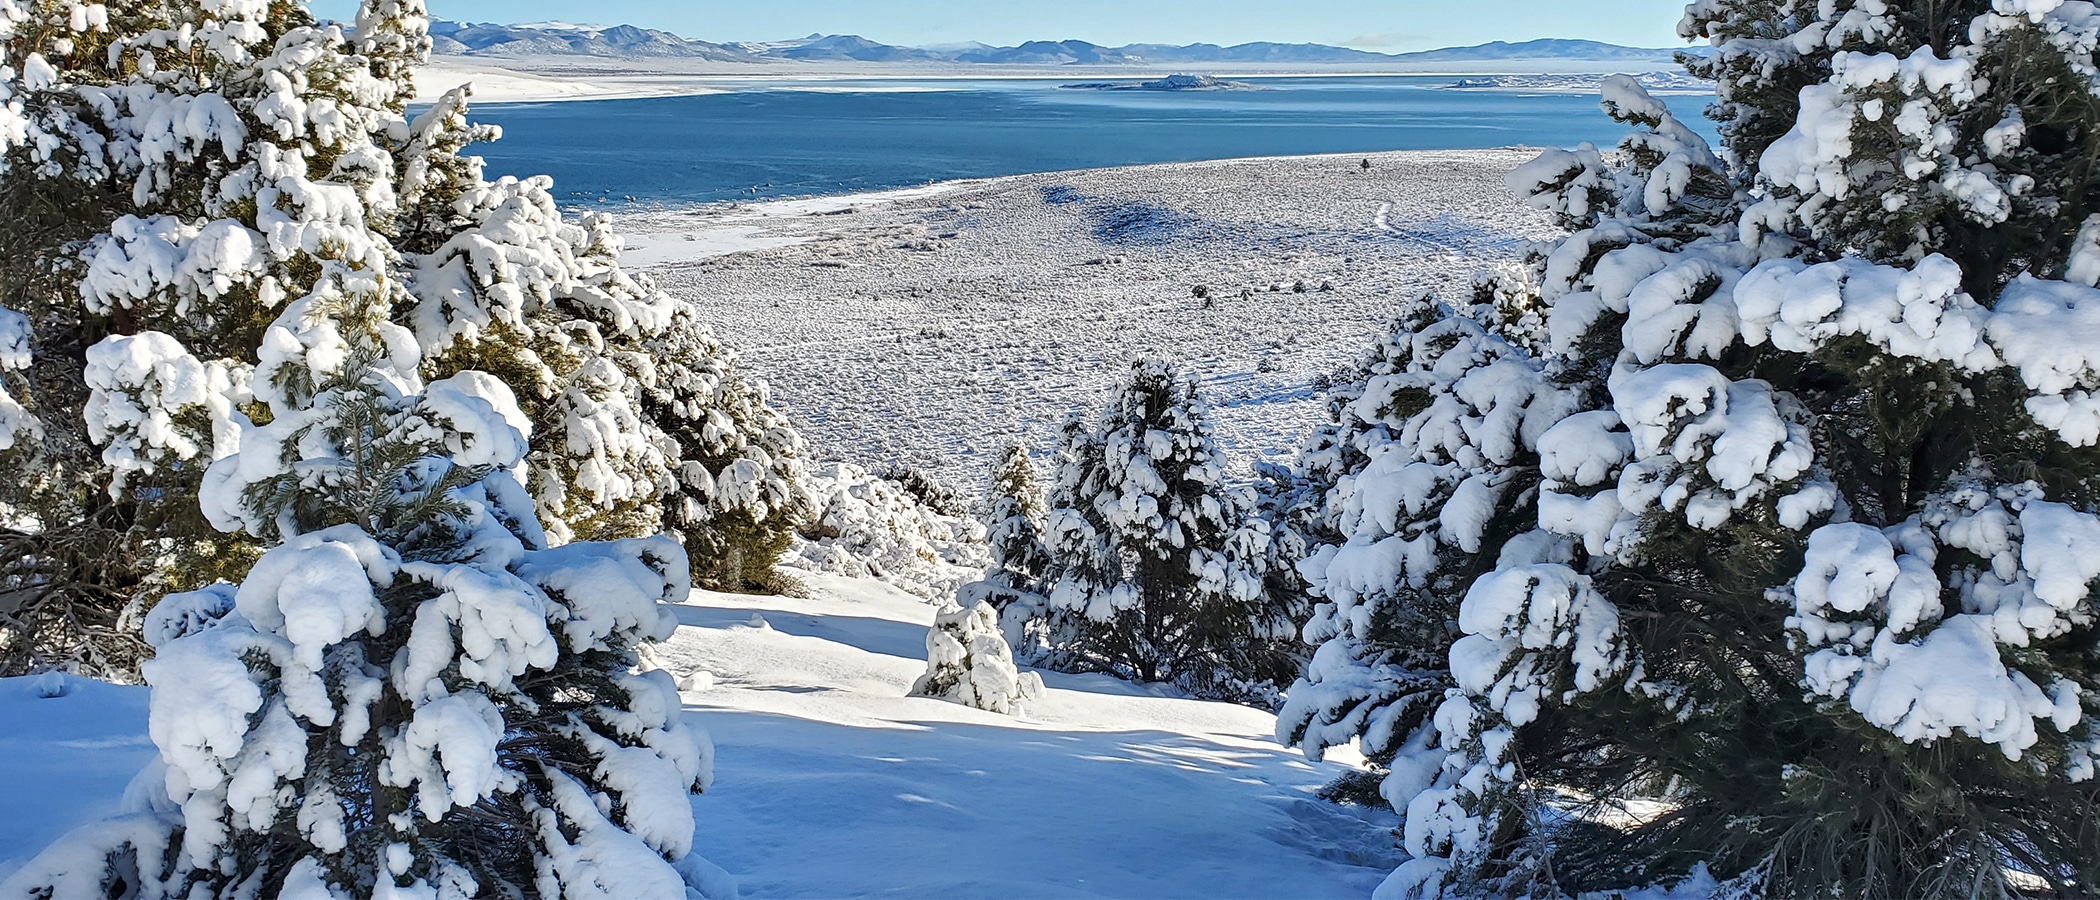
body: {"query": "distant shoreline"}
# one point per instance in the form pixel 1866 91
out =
pixel 687 232
pixel 569 78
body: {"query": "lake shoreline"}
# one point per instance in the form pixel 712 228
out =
pixel 829 138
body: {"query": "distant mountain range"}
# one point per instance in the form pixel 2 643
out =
pixel 563 39
pixel 627 41
pixel 1549 48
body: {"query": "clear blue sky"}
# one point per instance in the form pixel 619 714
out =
pixel 1385 25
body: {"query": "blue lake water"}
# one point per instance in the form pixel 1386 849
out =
pixel 840 137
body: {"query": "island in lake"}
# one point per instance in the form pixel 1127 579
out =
pixel 1169 83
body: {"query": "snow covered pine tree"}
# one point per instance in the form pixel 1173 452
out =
pixel 1405 480
pixel 643 421
pixel 410 695
pixel 743 488
pixel 109 439
pixel 118 224
pixel 1155 567
pixel 1801 435
pixel 406 697
pixel 968 656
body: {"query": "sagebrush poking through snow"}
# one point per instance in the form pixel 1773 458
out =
pixel 870 527
pixel 969 662
pixel 1768 495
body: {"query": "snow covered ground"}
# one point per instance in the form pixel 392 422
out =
pixel 932 326
pixel 832 783
pixel 68 758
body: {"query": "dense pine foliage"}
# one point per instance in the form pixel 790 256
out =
pixel 178 175
pixel 274 331
pixel 1765 498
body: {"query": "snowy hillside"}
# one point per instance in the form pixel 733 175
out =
pixel 909 325
pixel 833 783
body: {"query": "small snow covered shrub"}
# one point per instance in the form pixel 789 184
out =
pixel 1017 486
pixel 1769 496
pixel 968 662
pixel 1155 566
pixel 1015 523
pixel 869 527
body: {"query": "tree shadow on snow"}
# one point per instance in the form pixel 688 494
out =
pixel 1120 812
pixel 884 637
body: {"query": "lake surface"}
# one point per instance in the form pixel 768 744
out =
pixel 793 139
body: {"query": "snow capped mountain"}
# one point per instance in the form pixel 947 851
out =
pixel 854 47
pixel 565 39
pixel 959 47
pixel 1036 53
pixel 560 26
pixel 627 41
pixel 765 48
pixel 1259 51
pixel 1548 48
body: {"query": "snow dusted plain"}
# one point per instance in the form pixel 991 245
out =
pixel 832 783
pixel 930 326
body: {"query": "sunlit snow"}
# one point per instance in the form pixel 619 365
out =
pixel 832 782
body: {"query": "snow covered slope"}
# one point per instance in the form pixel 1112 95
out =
pixel 831 782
